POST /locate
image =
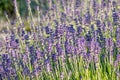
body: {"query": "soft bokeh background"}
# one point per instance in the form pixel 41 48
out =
pixel 7 6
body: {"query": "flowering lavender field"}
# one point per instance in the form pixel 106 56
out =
pixel 72 40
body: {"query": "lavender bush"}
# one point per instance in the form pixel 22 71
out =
pixel 73 40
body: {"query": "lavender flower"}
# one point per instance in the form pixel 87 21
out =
pixel 98 23
pixel 58 45
pixel 78 3
pixel 26 37
pixel 71 29
pixel 59 48
pixel 13 45
pixel 109 45
pixel 88 36
pixel 49 46
pixel 117 61
pixel 81 45
pixel 104 3
pixel 118 45
pixel 79 30
pixel 23 33
pixel 68 48
pixel 47 64
pixel 95 48
pixel 94 6
pixel 115 17
pixel 12 37
pixel 87 57
pixel 48 30
pixel 59 31
pixel 114 3
pixel 54 57
pixel 38 54
pixel 26 71
pixel 1 69
pixel 118 57
pixel 87 17
pixel 25 58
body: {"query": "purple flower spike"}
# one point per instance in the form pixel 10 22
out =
pixel 118 57
pixel 109 45
pixel 13 45
pixel 81 45
pixel 71 29
pixel 26 71
pixel 87 17
pixel 59 48
pixel 1 69
pixel 54 57
pixel 95 48
pixel 26 37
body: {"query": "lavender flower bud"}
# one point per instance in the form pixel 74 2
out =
pixel 26 37
pixel 48 30
pixel 79 30
pixel 13 45
pixel 118 57
pixel 71 29
pixel 95 48
pixel 115 17
pixel 59 48
pixel 54 57
pixel 87 18
pixel 98 23
pixel 26 71
pixel 109 45
pixel 81 45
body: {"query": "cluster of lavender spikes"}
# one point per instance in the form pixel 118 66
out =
pixel 93 38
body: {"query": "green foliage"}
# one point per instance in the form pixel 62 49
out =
pixel 6 6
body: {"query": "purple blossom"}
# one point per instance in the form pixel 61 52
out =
pixel 71 29
pixel 26 71
pixel 50 46
pixel 48 30
pixel 12 37
pixel 59 48
pixel 115 17
pixel 95 48
pixel 114 3
pixel 39 51
pixel 1 69
pixel 47 64
pixel 88 36
pixel 118 57
pixel 54 57
pixel 87 18
pixel 81 45
pixel 117 61
pixel 26 37
pixel 25 58
pixel 23 33
pixel 87 57
pixel 13 45
pixel 109 45
pixel 38 54
pixel 13 54
pixel 79 29
pixel 98 23
pixel 59 31
pixel 68 47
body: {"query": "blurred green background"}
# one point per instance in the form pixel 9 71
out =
pixel 7 6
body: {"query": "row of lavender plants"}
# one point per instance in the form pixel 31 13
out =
pixel 72 40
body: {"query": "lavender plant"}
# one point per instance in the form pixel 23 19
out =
pixel 73 40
